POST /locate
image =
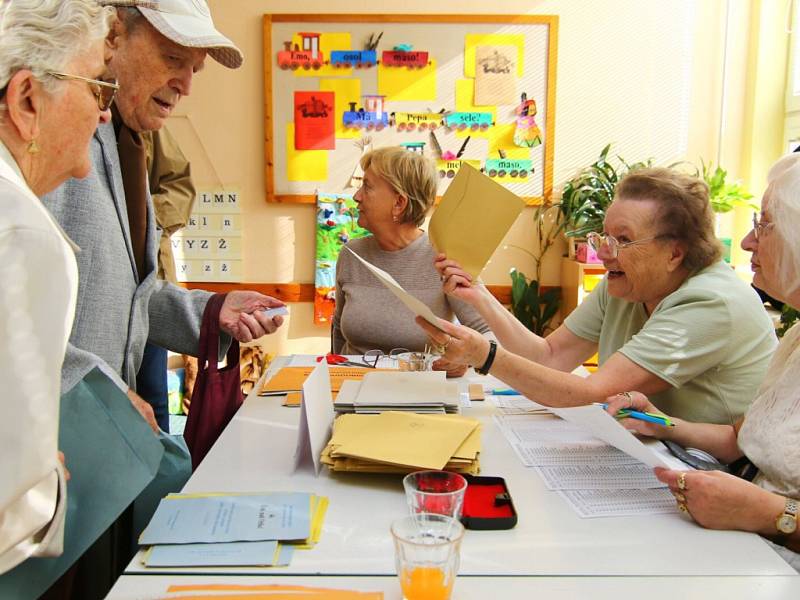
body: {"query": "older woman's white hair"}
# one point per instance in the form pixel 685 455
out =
pixel 45 35
pixel 783 192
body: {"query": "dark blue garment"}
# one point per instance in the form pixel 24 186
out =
pixel 151 383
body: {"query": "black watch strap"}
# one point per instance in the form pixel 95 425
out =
pixel 484 369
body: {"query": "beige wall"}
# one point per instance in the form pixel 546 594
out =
pixel 623 65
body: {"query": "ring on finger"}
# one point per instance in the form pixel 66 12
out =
pixel 447 343
pixel 680 498
pixel 683 508
pixel 682 481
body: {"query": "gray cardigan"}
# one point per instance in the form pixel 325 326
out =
pixel 118 309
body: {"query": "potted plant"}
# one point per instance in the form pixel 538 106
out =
pixel 724 197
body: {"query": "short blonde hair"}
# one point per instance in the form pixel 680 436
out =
pixel 410 174
pixel 684 211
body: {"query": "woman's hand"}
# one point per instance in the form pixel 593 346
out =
pixel 456 281
pixel 717 500
pixel 460 345
pixel 452 369
pixel 636 401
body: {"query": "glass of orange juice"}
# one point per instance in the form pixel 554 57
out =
pixel 427 555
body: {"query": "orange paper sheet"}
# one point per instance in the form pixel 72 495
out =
pixel 266 592
pixel 291 379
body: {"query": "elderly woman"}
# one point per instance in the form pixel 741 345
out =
pixel 769 434
pixel 51 100
pixel 670 319
pixel 398 189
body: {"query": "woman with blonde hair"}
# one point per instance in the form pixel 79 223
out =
pixel 52 97
pixel 398 190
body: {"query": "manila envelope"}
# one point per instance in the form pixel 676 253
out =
pixel 472 219
pixel 409 439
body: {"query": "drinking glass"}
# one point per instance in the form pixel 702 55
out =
pixel 440 492
pixel 427 555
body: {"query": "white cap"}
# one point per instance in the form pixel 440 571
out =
pixel 187 23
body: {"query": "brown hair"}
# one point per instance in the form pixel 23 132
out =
pixel 410 174
pixel 684 211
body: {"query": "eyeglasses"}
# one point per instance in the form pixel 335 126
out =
pixel 597 240
pixel 103 91
pixel 372 357
pixel 760 227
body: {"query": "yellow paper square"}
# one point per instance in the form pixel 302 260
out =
pixel 502 136
pixel 402 83
pixel 465 93
pixel 327 42
pixel 472 40
pixel 346 90
pixel 304 165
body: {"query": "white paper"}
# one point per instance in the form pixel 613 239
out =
pixel 413 304
pixel 619 503
pixel 517 405
pixel 602 425
pixel 599 477
pixel 316 417
pixel 405 387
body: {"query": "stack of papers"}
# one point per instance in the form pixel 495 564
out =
pixel 289 381
pixel 410 391
pixel 598 467
pixel 399 442
pixel 193 530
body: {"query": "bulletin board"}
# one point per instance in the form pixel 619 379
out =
pixel 326 92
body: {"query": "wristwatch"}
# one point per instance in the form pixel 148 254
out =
pixel 787 521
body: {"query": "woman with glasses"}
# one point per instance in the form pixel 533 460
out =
pixel 769 433
pixel 670 318
pixel 397 191
pixel 51 100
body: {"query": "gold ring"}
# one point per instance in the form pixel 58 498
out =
pixel 680 498
pixel 447 343
pixel 682 481
pixel 682 507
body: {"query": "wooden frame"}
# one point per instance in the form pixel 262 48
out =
pixel 273 195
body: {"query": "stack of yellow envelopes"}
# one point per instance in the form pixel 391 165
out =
pixel 400 442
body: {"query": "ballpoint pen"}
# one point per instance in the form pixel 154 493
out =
pixel 505 392
pixel 627 413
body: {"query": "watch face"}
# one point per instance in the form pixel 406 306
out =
pixel 787 524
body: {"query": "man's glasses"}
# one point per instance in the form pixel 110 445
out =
pixel 103 91
pixel 760 227
pixel 613 246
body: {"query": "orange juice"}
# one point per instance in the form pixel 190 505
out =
pixel 425 583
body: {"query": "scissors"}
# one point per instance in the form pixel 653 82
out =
pixel 342 361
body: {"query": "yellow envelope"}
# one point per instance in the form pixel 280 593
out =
pixel 472 219
pixel 424 441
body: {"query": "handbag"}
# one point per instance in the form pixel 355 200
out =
pixel 217 393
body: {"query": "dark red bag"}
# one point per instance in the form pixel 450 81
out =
pixel 217 392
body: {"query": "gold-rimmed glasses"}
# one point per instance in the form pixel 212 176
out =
pixel 759 227
pixel 103 91
pixel 597 240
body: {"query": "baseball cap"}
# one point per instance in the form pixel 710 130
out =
pixel 187 23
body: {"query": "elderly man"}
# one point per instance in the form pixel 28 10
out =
pixel 156 48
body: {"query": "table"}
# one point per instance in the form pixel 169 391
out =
pixel 144 587
pixel 255 453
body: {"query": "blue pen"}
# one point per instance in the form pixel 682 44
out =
pixel 506 392
pixel 627 413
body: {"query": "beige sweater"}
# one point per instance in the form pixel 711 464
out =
pixel 369 317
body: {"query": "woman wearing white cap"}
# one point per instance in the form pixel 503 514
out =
pixel 51 100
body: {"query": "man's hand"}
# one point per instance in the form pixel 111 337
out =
pixel 144 409
pixel 242 318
